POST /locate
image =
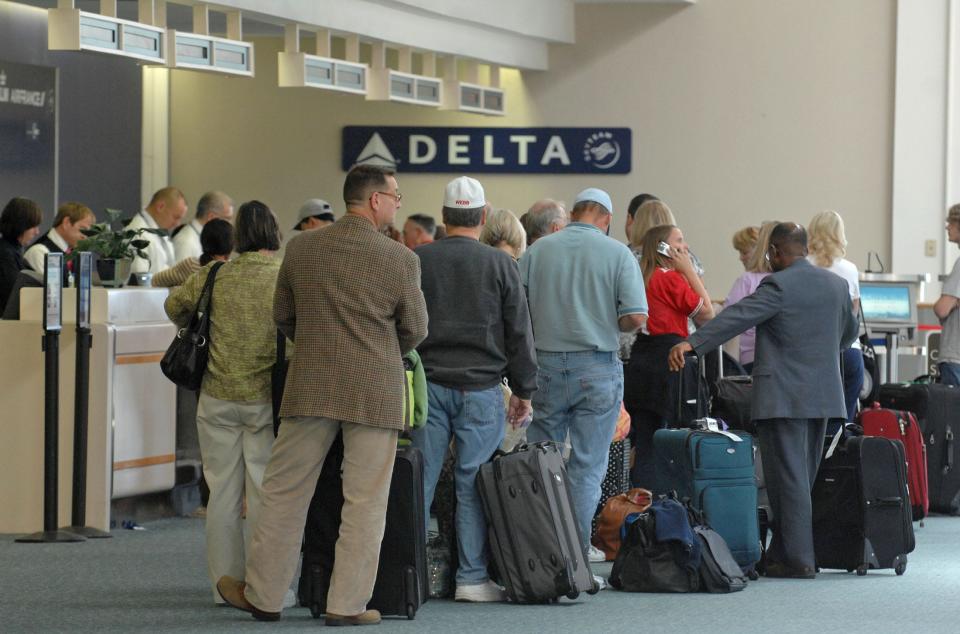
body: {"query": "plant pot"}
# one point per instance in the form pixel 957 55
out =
pixel 112 273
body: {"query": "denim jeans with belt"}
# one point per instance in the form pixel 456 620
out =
pixel 950 373
pixel 476 421
pixel 579 393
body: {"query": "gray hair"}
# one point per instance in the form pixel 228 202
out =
pixel 541 216
pixel 212 201
pixel 462 217
pixel 502 226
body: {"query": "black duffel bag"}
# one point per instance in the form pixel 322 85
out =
pixel 731 402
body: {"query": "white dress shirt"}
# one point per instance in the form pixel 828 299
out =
pixel 186 244
pixel 35 254
pixel 160 250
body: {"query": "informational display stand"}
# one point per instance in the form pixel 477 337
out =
pixel 52 323
pixel 81 400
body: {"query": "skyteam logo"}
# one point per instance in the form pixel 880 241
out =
pixel 602 150
pixel 489 150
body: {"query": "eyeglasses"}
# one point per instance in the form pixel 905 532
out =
pixel 398 196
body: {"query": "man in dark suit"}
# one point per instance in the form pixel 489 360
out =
pixel 803 318
pixel 349 298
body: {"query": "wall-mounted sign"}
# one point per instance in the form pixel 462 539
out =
pixel 490 150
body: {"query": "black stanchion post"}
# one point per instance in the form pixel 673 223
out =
pixel 81 402
pixel 52 314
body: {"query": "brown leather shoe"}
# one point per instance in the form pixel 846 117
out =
pixel 370 617
pixel 778 570
pixel 232 592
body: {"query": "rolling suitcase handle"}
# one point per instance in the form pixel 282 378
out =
pixel 698 403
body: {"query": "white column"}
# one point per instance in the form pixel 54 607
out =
pixel 155 142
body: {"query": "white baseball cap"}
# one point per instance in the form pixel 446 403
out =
pixel 464 193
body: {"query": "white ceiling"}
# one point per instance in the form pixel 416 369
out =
pixel 511 33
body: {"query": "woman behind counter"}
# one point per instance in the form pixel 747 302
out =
pixel 235 414
pixel 19 225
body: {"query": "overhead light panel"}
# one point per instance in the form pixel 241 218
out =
pixel 296 69
pixel 402 85
pixel 470 96
pixel 201 51
pixel 69 29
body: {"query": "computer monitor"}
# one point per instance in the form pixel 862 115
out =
pixel 886 303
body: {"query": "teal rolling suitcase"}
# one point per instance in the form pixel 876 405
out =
pixel 715 471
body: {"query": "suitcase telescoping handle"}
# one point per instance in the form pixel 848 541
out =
pixel 698 402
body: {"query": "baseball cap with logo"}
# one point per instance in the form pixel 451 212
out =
pixel 315 207
pixel 594 195
pixel 464 193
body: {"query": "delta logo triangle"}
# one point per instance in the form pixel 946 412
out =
pixel 376 153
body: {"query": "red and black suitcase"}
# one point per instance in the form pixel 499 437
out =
pixel 903 426
pixel 937 408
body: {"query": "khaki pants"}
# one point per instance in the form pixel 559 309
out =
pixel 288 487
pixel 235 441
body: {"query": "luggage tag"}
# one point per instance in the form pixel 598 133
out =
pixel 712 425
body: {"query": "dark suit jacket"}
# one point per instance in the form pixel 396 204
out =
pixel 349 298
pixel 804 319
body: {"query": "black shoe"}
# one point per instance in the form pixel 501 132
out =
pixel 778 570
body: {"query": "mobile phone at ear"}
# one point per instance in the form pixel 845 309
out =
pixel 664 249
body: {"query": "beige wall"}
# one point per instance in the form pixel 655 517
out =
pixel 741 110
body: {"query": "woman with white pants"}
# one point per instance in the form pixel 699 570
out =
pixel 235 413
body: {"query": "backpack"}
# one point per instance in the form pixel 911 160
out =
pixel 648 563
pixel 719 571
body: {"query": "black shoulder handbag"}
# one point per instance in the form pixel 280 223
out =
pixel 186 359
pixel 870 391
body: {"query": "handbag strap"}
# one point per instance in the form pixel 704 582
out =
pixel 203 305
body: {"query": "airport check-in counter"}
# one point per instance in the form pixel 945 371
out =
pixel 132 415
pixel 891 311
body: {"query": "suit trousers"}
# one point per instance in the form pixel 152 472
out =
pixel 235 440
pixel 288 486
pixel 791 450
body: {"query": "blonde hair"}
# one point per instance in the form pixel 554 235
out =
pixel 74 211
pixel 758 259
pixel 652 213
pixel 652 258
pixel 746 238
pixel 826 238
pixel 503 227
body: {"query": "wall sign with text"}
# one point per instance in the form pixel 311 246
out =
pixel 489 150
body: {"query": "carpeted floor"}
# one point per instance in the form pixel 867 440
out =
pixel 155 580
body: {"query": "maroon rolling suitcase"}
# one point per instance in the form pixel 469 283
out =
pixel 903 426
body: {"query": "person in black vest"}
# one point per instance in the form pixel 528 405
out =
pixel 72 218
pixel 19 225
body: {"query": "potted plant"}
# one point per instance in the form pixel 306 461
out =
pixel 115 248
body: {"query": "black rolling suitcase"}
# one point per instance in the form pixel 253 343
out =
pixel 402 583
pixel 861 509
pixel 534 538
pixel 938 409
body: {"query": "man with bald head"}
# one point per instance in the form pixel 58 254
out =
pixel 165 211
pixel 804 320
pixel 544 217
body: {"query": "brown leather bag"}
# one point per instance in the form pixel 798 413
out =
pixel 615 511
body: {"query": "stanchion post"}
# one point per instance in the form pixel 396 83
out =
pixel 52 319
pixel 81 401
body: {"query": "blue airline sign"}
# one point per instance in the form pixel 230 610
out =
pixel 490 150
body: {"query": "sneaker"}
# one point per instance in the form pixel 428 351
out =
pixel 289 599
pixel 487 592
pixel 601 582
pixel 595 555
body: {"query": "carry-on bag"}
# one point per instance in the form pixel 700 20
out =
pixel 861 509
pixel 611 518
pixel 715 471
pixel 617 479
pixel 534 536
pixel 903 426
pixel 937 408
pixel 402 580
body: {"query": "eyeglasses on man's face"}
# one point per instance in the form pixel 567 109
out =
pixel 397 197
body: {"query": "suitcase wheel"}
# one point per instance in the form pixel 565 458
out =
pixel 594 588
pixel 862 570
pixel 572 595
pixel 315 610
pixel 753 575
pixel 411 611
pixel 901 568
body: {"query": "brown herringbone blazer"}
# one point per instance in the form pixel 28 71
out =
pixel 349 297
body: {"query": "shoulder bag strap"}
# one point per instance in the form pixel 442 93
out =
pixel 203 304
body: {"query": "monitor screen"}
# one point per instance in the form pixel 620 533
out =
pixel 886 302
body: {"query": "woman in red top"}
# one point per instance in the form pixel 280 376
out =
pixel 675 293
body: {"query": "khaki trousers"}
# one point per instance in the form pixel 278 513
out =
pixel 235 441
pixel 288 486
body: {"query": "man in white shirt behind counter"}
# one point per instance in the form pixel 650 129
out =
pixel 186 240
pixel 165 211
pixel 67 228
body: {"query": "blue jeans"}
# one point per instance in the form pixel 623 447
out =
pixel 579 393
pixel 476 421
pixel 950 373
pixel 852 380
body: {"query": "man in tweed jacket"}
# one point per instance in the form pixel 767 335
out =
pixel 349 297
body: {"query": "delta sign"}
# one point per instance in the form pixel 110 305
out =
pixel 489 150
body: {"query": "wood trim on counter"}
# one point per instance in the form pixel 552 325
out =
pixel 129 359
pixel 149 461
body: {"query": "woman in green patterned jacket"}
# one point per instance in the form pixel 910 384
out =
pixel 235 416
